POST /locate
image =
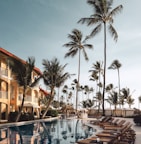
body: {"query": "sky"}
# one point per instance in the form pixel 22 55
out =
pixel 40 28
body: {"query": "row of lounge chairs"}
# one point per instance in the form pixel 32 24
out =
pixel 114 131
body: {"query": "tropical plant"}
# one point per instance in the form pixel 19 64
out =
pixel 103 15
pixel 65 91
pixel 23 75
pixel 84 104
pixel 139 99
pixel 116 66
pixel 97 73
pixel 94 77
pixel 125 92
pixel 130 101
pixel 87 103
pixel 52 75
pixel 86 91
pixel 98 98
pixel 113 99
pixel 77 45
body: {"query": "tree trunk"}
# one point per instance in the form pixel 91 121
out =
pixel 104 74
pixel 50 100
pixel 77 86
pixel 21 107
pixel 44 114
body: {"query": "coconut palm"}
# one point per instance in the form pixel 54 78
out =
pixel 121 101
pixel 77 45
pixel 103 15
pixel 94 77
pixel 23 75
pixel 65 91
pixel 139 99
pixel 130 101
pixel 52 75
pixel 116 66
pixel 125 92
pixel 113 99
pixel 97 72
pixel 98 98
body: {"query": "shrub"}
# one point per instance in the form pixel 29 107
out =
pixel 51 112
pixel 137 119
pixel 12 116
pixel 26 117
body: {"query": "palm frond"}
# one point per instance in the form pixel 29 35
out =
pixel 113 32
pixel 96 30
pixel 116 10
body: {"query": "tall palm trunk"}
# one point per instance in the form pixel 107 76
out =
pixel 119 81
pixel 104 74
pixel 21 107
pixel 77 86
pixel 58 97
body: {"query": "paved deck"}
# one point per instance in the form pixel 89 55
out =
pixel 136 128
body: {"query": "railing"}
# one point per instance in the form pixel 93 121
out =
pixel 3 94
pixel 28 98
pixel 35 100
pixel 3 71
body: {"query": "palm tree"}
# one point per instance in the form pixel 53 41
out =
pixel 97 72
pixel 23 75
pixel 53 76
pixel 98 99
pixel 139 99
pixel 113 99
pixel 130 101
pixel 126 94
pixel 65 91
pixel 116 65
pixel 94 77
pixel 102 15
pixel 77 45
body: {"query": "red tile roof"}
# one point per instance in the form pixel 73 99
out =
pixel 43 91
pixel 19 59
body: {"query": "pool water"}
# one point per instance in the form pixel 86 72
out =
pixel 62 131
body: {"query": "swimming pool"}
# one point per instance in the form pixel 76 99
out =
pixel 62 131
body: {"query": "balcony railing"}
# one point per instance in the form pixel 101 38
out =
pixel 27 98
pixel 3 71
pixel 3 94
pixel 35 100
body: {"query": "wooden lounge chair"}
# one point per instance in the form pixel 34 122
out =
pixel 85 141
pixel 118 123
pixel 93 140
pixel 125 135
pixel 112 122
pixel 118 127
pixel 102 120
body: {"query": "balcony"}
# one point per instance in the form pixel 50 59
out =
pixel 28 98
pixel 3 95
pixel 3 72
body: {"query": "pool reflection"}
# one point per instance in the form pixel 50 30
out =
pixel 54 132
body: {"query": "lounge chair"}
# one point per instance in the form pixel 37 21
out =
pixel 119 126
pixel 102 120
pixel 94 140
pixel 111 122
